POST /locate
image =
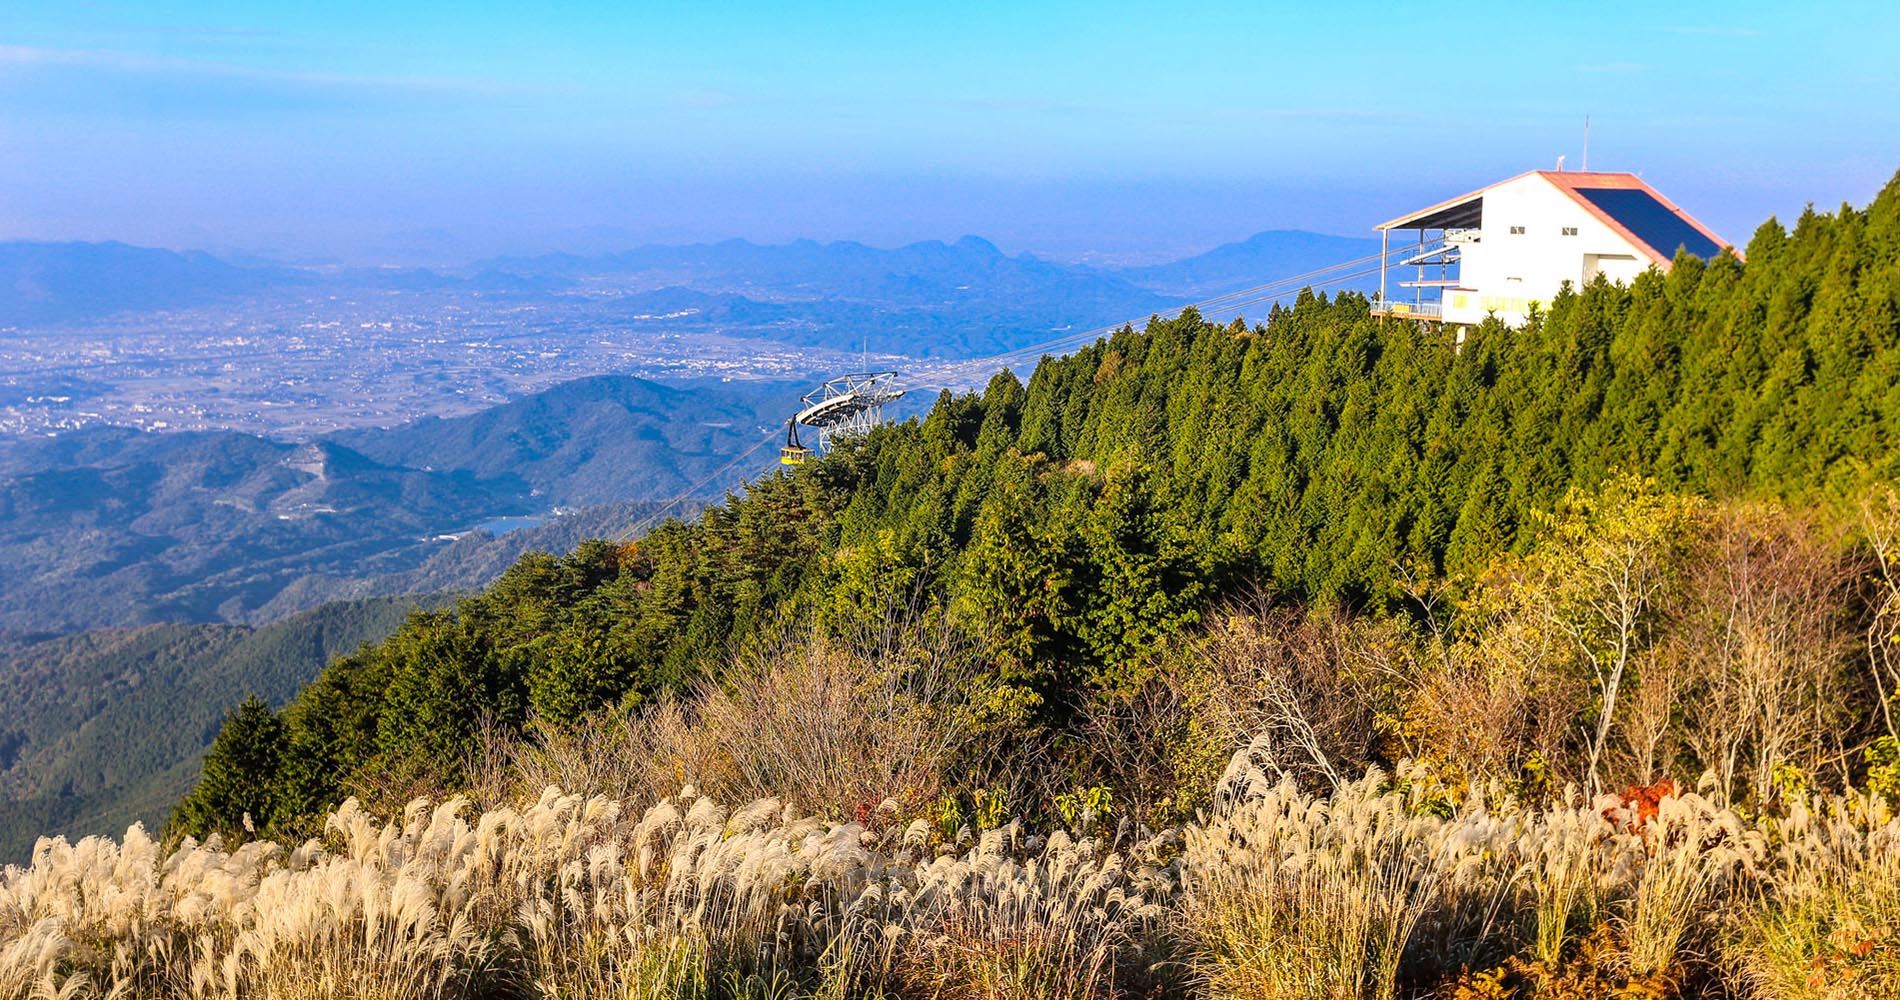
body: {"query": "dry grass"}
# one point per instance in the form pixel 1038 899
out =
pixel 828 727
pixel 1289 896
pixel 1364 893
pixel 572 897
pixel 1831 928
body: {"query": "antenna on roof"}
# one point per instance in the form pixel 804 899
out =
pixel 1586 143
pixel 1560 163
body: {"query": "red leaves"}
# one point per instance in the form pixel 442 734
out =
pixel 1638 804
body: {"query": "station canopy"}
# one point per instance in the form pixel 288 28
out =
pixel 1466 212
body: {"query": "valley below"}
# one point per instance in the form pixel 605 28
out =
pixel 198 458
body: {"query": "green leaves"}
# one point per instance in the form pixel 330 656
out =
pixel 236 796
pixel 1074 525
pixel 1145 580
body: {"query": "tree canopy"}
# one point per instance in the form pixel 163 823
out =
pixel 1075 523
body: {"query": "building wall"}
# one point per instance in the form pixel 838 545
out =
pixel 1506 273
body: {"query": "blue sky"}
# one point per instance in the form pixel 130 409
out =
pixel 429 132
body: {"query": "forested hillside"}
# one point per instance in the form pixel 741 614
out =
pixel 600 440
pixel 1069 531
pixel 106 728
pixel 116 527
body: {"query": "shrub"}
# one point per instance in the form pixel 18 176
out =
pixel 1829 928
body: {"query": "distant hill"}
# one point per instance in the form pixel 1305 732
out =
pixel 63 282
pixel 961 297
pixel 1260 258
pixel 590 441
pixel 106 727
pixel 923 273
pixel 929 299
pixel 109 526
pixel 113 527
pixel 473 560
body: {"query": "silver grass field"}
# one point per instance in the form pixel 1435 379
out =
pixel 1272 893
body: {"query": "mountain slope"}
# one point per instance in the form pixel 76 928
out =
pixel 106 727
pixel 591 441
pixel 111 527
pixel 469 562
pixel 1070 528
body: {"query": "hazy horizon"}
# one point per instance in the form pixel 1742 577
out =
pixel 436 134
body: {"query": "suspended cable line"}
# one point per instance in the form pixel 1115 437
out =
pixel 1230 302
pixel 655 515
pixel 1225 303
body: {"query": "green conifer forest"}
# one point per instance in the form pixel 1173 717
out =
pixel 1320 656
pixel 1072 530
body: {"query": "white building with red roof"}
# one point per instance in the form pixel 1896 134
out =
pixel 1506 249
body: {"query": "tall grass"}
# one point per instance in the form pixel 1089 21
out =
pixel 1369 892
pixel 1693 854
pixel 1830 928
pixel 1290 896
pixel 572 896
pixel 1561 877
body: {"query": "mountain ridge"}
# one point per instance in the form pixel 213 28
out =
pixel 53 282
pixel 111 526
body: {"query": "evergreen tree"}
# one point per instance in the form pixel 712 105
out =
pixel 236 793
pixel 1073 524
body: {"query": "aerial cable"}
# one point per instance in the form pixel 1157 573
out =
pixel 1314 274
pixel 1090 336
pixel 1333 280
pixel 1258 293
pixel 1231 301
pixel 653 516
pixel 1220 303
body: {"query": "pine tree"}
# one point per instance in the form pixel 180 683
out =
pixel 235 795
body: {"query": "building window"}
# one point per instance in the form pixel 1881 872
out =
pixel 1570 230
pixel 1517 230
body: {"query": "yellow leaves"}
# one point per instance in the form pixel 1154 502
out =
pixel 1595 971
pixel 1489 984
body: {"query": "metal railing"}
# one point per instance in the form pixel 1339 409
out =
pixel 1409 310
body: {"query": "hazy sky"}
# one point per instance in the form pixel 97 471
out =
pixel 434 131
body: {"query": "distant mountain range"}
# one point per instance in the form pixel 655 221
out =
pixel 932 273
pixel 963 297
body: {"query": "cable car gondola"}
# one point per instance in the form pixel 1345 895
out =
pixel 793 453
